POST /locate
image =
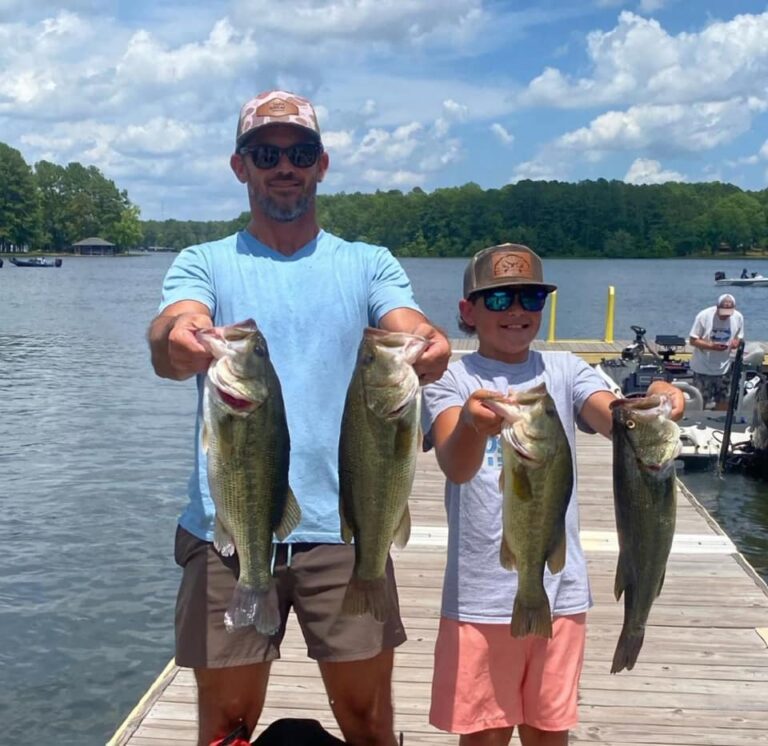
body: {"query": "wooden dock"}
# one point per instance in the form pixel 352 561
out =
pixel 701 678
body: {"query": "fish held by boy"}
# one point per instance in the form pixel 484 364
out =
pixel 245 438
pixel 645 445
pixel 536 483
pixel 377 461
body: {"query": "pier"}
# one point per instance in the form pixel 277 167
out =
pixel 701 678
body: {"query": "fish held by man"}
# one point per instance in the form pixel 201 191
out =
pixel 645 445
pixel 536 483
pixel 377 461
pixel 246 442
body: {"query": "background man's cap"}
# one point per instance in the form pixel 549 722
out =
pixel 276 107
pixel 725 304
pixel 506 264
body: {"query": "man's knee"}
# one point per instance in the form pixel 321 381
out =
pixel 371 727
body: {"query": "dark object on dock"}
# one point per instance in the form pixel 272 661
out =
pixel 36 261
pixel 1 263
pixel 735 379
pixel 296 732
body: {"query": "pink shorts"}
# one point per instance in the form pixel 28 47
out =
pixel 484 678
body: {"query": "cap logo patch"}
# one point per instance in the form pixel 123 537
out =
pixel 277 107
pixel 512 265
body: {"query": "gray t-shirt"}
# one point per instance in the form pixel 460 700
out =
pixel 476 588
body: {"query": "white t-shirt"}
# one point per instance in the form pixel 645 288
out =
pixel 709 326
pixel 476 588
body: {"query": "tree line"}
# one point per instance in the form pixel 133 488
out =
pixel 49 207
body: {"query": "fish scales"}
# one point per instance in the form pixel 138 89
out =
pixel 536 484
pixel 377 461
pixel 645 445
pixel 247 445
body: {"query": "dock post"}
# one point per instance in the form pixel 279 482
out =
pixel 552 316
pixel 610 309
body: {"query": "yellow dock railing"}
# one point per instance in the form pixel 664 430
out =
pixel 610 314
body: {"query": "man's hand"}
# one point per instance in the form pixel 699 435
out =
pixel 185 353
pixel 434 360
pixel 176 353
pixel 674 394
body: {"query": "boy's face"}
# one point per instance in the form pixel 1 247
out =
pixel 502 335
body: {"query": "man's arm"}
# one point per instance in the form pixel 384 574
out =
pixel 176 353
pixel 434 360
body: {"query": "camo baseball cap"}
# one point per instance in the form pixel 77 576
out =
pixel 276 107
pixel 502 265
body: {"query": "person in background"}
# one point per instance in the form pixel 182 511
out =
pixel 311 294
pixel 485 681
pixel 716 331
pixel 744 274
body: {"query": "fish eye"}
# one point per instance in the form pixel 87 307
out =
pixel 259 351
pixel 630 424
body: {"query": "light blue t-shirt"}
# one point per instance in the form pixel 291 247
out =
pixel 476 588
pixel 312 308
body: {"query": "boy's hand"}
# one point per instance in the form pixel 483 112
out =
pixel 476 415
pixel 674 394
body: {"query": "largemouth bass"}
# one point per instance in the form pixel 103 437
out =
pixel 377 461
pixel 245 439
pixel 536 483
pixel 645 445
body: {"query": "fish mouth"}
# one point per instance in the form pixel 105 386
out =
pixel 235 402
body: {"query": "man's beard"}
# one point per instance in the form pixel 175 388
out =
pixel 282 213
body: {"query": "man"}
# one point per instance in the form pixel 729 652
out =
pixel 716 331
pixel 311 294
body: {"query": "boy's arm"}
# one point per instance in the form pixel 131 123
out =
pixel 459 435
pixel 596 411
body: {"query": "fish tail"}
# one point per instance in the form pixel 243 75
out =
pixel 531 620
pixel 364 596
pixel 627 650
pixel 253 607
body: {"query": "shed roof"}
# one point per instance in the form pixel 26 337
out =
pixel 93 242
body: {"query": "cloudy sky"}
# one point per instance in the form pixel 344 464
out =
pixel 427 93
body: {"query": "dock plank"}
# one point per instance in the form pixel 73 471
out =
pixel 702 675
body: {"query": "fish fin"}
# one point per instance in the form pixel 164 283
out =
pixel 205 438
pixel 627 650
pixel 403 531
pixel 222 541
pixel 521 485
pixel 506 555
pixel 620 583
pixel 661 582
pixel 501 481
pixel 252 607
pixel 531 620
pixel 364 596
pixel 556 558
pixel 291 516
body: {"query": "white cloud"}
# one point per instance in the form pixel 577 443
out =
pixel 502 134
pixel 646 171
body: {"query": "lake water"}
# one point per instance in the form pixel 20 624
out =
pixel 95 452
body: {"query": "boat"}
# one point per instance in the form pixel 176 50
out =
pixel 730 439
pixel 756 280
pixel 36 261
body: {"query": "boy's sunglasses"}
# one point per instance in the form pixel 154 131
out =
pixel 301 155
pixel 532 298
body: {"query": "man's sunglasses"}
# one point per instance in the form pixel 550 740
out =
pixel 301 155
pixel 532 298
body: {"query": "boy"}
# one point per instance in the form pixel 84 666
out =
pixel 486 681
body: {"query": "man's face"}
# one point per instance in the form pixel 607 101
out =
pixel 286 192
pixel 725 310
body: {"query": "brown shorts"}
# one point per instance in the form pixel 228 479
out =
pixel 312 580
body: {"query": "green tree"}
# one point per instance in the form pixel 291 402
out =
pixel 19 201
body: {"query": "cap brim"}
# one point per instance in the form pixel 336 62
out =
pixel 243 139
pixel 509 282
